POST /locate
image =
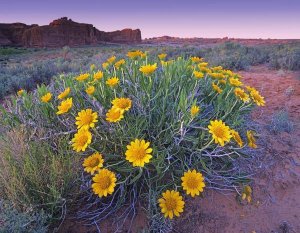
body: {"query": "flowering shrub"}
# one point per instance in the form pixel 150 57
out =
pixel 151 130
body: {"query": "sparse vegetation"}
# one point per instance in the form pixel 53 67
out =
pixel 33 175
pixel 281 122
pixel 16 221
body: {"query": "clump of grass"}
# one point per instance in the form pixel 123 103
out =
pixel 6 51
pixel 32 174
pixel 285 57
pixel 13 220
pixel 281 122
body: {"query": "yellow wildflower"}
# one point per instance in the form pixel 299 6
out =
pixel 46 98
pixel 220 132
pixel 64 94
pixel 171 204
pixel 112 81
pixel 251 139
pixel 148 69
pixel 65 106
pixel 98 75
pixel 138 153
pixel 90 90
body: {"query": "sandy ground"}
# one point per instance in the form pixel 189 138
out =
pixel 276 187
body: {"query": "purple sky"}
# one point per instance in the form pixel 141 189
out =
pixel 183 18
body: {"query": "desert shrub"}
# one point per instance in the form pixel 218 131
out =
pixel 235 56
pixel 32 174
pixel 285 57
pixel 149 130
pixel 5 51
pixel 16 221
pixel 281 122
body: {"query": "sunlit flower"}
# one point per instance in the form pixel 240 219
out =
pixel 20 92
pixel 81 140
pixel 92 67
pixel 235 82
pixel 171 204
pixel 217 68
pixel 241 94
pixel 198 74
pixel 193 182
pixel 204 69
pixel 162 56
pixel 257 98
pixel 82 77
pixel 196 59
pixel 119 63
pixel 104 183
pixel 148 69
pixel 134 54
pixel 216 88
pixel 90 90
pixel 195 110
pixel 217 75
pixel 114 114
pixel 112 81
pixel 122 103
pixel 105 65
pixel 246 194
pixel 111 59
pixel 202 64
pixel 250 88
pixel 236 136
pixel 65 106
pixel 64 94
pixel 222 81
pixel 46 98
pixel 138 153
pixel 220 132
pixel 86 119
pixel 93 163
pixel 98 75
pixel 251 139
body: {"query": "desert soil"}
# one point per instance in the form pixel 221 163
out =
pixel 276 186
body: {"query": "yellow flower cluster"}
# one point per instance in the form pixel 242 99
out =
pixel 172 203
pixel 148 69
pixel 135 54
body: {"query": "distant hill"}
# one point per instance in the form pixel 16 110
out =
pixel 62 32
pixel 168 40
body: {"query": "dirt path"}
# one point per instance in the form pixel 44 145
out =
pixel 276 188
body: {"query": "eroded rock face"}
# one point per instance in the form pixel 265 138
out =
pixel 11 34
pixel 63 32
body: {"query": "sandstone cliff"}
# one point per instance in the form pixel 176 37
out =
pixel 62 32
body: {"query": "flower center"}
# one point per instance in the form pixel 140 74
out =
pixel 105 182
pixel 191 183
pixel 219 132
pixel 123 104
pixel 82 139
pixel 171 203
pixel 140 153
pixel 87 119
pixel 94 162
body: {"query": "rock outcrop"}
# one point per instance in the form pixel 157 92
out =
pixel 11 34
pixel 62 32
